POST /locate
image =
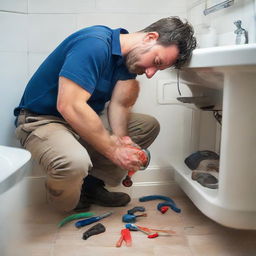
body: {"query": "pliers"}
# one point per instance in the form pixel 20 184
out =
pixel 125 236
pixel 151 232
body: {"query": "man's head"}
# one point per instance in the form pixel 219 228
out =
pixel 165 43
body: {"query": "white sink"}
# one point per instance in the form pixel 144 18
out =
pixel 208 68
pixel 231 55
pixel 208 65
pixel 11 162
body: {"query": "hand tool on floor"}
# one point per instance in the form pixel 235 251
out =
pixel 164 209
pixel 94 230
pixel 161 206
pixel 153 235
pixel 133 227
pixel 75 217
pixel 150 231
pixel 91 220
pixel 159 231
pixel 136 209
pixel 125 236
pixel 130 218
pixel 144 156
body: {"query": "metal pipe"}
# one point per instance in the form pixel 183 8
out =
pixel 219 6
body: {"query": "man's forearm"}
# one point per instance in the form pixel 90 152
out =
pixel 88 125
pixel 123 98
pixel 118 119
pixel 72 105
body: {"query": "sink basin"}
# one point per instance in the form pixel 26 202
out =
pixel 207 65
pixel 207 70
pixel 223 56
pixel 11 162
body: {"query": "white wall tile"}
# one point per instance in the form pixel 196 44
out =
pixel 13 75
pixel 60 6
pixel 48 25
pixel 222 20
pixel 13 30
pixel 167 148
pixel 228 38
pixel 141 6
pixel 46 31
pixel 131 21
pixel 14 5
pixel 196 16
pixel 191 3
pixel 34 61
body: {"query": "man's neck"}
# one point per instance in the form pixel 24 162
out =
pixel 130 41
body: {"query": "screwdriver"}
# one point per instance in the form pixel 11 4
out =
pixel 91 220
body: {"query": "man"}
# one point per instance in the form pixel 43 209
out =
pixel 61 118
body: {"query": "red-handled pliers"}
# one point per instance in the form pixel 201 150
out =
pixel 125 236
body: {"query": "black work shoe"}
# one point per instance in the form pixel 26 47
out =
pixel 98 194
pixel 105 198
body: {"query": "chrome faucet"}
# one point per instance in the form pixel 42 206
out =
pixel 241 33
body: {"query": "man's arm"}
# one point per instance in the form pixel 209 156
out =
pixel 72 105
pixel 123 98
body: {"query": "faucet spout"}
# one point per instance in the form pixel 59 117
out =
pixel 241 33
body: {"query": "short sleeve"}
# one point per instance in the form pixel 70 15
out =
pixel 85 62
pixel 122 73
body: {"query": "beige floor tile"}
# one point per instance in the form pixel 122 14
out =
pixel 142 242
pixel 36 233
pixel 104 251
pixel 41 214
pixel 196 234
pixel 174 250
pixel 220 245
pixel 33 248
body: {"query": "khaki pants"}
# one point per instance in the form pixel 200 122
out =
pixel 67 159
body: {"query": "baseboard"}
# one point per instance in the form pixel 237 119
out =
pixel 156 180
pixel 140 189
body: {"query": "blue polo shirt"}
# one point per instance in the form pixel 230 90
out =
pixel 90 57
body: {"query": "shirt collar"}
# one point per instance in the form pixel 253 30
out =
pixel 116 47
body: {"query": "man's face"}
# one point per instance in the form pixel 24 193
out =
pixel 148 59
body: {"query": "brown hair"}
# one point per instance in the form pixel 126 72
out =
pixel 172 30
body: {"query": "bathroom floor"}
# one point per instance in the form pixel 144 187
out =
pixel 195 234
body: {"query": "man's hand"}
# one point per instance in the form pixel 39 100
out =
pixel 127 158
pixel 126 153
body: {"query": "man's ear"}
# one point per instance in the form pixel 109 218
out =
pixel 151 36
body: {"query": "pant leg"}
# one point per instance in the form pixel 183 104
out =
pixel 143 129
pixel 54 145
